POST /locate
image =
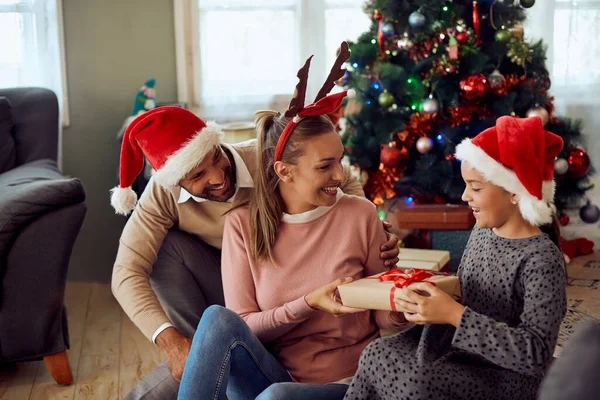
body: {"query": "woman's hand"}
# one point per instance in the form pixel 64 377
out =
pixel 325 299
pixel 389 250
pixel 429 305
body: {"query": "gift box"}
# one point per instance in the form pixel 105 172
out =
pixel 432 260
pixel 447 226
pixel 378 292
pixel 435 217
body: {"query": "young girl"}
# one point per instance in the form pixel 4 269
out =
pixel 283 257
pixel 499 342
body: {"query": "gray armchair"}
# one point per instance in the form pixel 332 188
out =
pixel 41 213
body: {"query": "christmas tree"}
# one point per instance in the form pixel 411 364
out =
pixel 430 73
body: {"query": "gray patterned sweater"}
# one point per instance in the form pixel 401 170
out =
pixel 514 293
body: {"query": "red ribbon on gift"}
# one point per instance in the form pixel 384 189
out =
pixel 403 279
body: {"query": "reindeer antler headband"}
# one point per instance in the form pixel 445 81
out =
pixel 322 105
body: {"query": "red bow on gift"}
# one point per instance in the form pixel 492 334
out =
pixel 406 278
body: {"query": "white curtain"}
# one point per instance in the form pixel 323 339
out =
pixel 31 47
pixel 235 56
pixel 571 29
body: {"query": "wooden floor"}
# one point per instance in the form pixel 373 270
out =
pixel 108 353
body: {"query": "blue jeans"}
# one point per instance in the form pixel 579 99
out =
pixel 227 358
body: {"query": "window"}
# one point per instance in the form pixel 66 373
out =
pixel 236 57
pixel 31 47
pixel 576 47
pixel 571 29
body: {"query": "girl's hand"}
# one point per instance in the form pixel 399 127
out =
pixel 429 305
pixel 325 299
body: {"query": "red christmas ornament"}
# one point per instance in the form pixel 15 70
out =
pixel 380 37
pixel 390 156
pixel 462 37
pixel 476 20
pixel 564 220
pixel 579 163
pixel 473 87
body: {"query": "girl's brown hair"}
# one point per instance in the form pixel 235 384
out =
pixel 266 205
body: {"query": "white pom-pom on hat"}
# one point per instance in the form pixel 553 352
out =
pixel 351 93
pixel 123 200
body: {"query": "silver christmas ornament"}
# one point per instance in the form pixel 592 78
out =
pixel 387 28
pixel 430 106
pixel 424 145
pixel 561 166
pixel 416 20
pixel 496 79
pixel 590 213
pixel 539 112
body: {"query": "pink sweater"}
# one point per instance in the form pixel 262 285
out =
pixel 312 249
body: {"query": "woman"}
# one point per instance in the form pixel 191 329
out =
pixel 285 335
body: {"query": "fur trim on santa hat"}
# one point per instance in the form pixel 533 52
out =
pixel 548 190
pixel 189 156
pixel 123 200
pixel 536 211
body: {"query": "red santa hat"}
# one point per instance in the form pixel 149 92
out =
pixel 518 155
pixel 174 141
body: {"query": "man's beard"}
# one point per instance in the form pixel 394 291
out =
pixel 230 178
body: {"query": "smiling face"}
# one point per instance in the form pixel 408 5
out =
pixel 315 177
pixel 214 178
pixel 492 205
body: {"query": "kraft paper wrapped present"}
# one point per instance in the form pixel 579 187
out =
pixel 378 292
pixel 434 260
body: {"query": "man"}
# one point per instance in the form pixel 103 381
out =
pixel 167 270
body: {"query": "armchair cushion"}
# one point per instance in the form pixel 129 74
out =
pixel 7 142
pixel 30 190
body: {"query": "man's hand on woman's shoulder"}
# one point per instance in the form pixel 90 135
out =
pixel 389 249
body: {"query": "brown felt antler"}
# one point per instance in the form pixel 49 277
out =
pixel 297 102
pixel 336 71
